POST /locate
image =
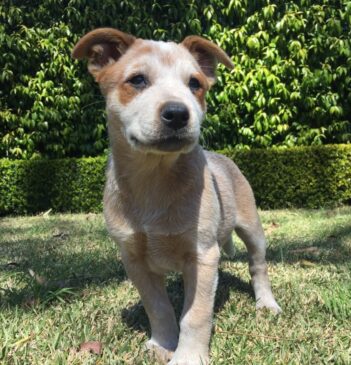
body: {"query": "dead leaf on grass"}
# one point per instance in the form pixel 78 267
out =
pixel 94 347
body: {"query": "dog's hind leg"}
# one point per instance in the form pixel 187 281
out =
pixel 249 228
pixel 251 232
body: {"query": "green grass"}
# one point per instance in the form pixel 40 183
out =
pixel 62 284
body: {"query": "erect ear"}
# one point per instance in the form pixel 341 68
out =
pixel 102 47
pixel 207 55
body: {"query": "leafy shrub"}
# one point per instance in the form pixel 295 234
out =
pixel 66 185
pixel 293 177
pixel 292 81
pixel 290 86
pixel 309 177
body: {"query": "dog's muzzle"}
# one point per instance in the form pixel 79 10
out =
pixel 174 135
pixel 174 115
pixel 166 144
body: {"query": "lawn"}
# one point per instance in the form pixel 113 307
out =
pixel 62 284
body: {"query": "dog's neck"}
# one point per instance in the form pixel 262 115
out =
pixel 156 176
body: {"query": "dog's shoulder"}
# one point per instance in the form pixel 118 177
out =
pixel 224 171
pixel 221 163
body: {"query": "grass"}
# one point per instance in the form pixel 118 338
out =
pixel 62 284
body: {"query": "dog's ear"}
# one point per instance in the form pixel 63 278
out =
pixel 102 47
pixel 207 55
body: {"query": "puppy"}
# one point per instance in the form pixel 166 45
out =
pixel 169 204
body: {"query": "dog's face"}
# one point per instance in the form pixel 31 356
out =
pixel 158 93
pixel 154 90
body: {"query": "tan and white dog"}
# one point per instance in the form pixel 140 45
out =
pixel 169 204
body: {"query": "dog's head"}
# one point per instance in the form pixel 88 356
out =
pixel 154 90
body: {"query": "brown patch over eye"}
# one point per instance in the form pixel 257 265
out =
pixel 132 87
pixel 127 92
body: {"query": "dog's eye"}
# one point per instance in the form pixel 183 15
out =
pixel 194 84
pixel 138 81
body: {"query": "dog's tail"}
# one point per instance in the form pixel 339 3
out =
pixel 229 248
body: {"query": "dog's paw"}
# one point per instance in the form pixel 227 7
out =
pixel 159 353
pixel 268 303
pixel 189 358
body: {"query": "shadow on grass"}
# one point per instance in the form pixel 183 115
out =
pixel 47 264
pixel 48 260
pixel 135 316
pixel 330 249
pixel 57 262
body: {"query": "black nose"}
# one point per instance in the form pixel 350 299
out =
pixel 175 115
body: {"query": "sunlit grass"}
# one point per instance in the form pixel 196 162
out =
pixel 62 284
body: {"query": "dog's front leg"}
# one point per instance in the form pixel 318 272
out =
pixel 200 283
pixel 151 287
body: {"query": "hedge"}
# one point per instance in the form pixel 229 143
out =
pixel 291 84
pixel 302 177
pixel 308 177
pixel 66 185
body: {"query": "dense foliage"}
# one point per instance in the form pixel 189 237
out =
pixel 291 84
pixel 293 177
pixel 303 177
pixel 66 185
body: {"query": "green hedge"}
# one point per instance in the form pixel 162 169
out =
pixel 308 177
pixel 291 84
pixel 67 185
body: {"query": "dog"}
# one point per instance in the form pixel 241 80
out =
pixel 169 204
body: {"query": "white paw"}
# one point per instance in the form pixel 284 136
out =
pixel 189 359
pixel 159 353
pixel 268 303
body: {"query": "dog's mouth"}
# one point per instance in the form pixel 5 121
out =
pixel 167 144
